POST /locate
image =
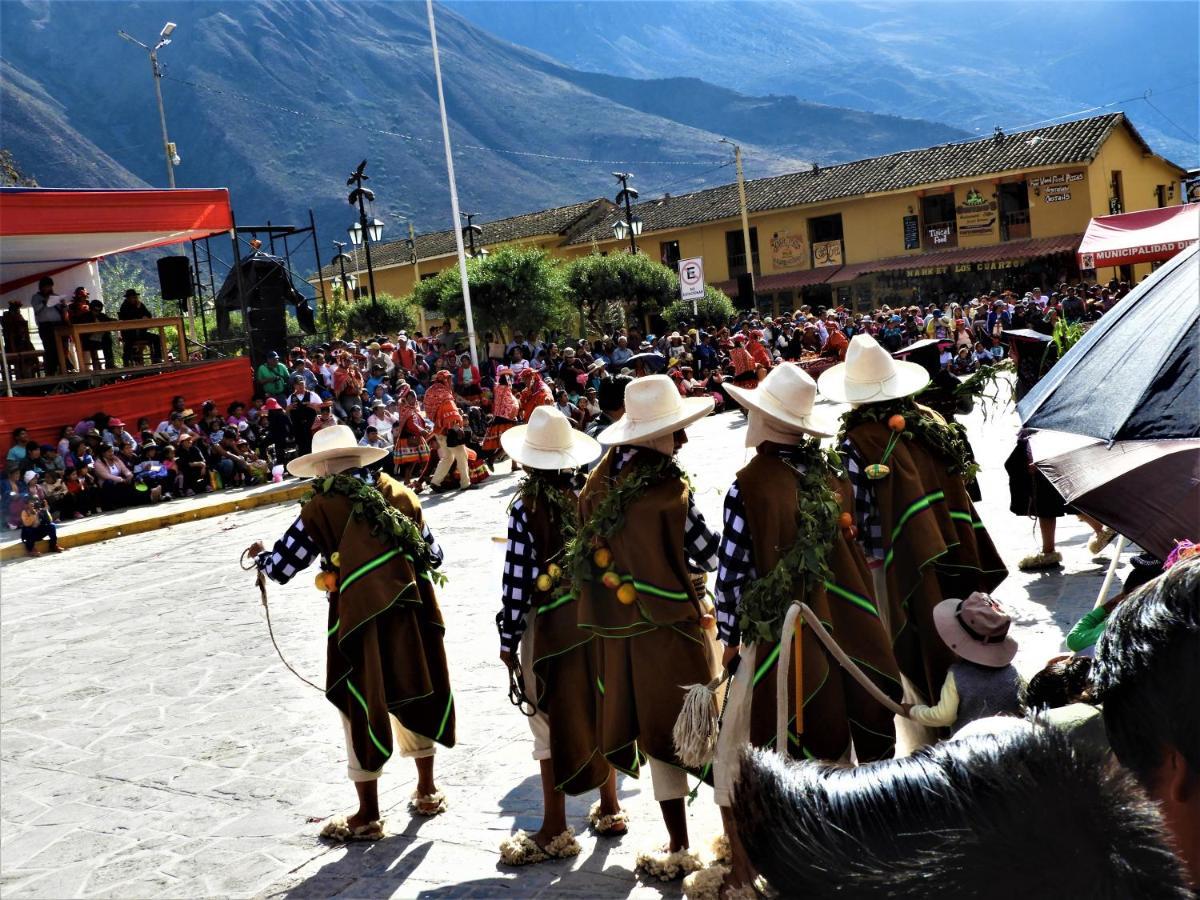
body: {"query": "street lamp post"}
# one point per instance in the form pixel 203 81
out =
pixel 469 231
pixel 348 281
pixel 164 38
pixel 631 226
pixel 364 231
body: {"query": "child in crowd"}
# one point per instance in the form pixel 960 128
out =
pixel 982 681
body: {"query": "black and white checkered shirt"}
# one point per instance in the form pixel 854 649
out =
pixel 866 511
pixel 519 580
pixel 296 551
pixel 736 570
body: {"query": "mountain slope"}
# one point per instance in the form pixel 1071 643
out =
pixel 973 65
pixel 279 101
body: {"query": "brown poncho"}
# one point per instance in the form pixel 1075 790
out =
pixel 385 630
pixel 935 546
pixel 564 666
pixel 836 707
pixel 650 650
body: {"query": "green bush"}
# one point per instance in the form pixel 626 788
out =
pixel 386 316
pixel 713 309
pixel 601 285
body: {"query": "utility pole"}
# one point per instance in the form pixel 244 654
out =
pixel 164 38
pixel 741 183
pixel 412 257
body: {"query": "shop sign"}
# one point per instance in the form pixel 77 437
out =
pixel 787 249
pixel 1055 188
pixel 939 234
pixel 926 271
pixel 976 214
pixel 827 253
pixel 912 232
pixel 992 266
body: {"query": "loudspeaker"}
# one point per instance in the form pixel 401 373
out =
pixel 745 291
pixel 175 277
pixel 267 329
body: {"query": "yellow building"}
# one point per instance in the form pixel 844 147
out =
pixel 1005 211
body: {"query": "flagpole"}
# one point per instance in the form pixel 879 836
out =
pixel 458 238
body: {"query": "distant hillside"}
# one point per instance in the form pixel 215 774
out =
pixel 279 101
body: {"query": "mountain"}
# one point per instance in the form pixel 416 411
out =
pixel 280 100
pixel 973 65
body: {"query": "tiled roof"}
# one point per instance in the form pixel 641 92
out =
pixel 562 221
pixel 1055 145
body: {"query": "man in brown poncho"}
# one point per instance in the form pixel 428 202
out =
pixel 550 659
pixel 644 543
pixel 785 510
pixel 922 536
pixel 386 667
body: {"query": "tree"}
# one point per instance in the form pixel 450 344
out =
pixel 713 309
pixel 602 286
pixel 512 289
pixel 386 316
pixel 334 315
pixel 11 174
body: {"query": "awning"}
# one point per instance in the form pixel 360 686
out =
pixel 783 281
pixel 1008 252
pixel 43 230
pixel 1150 235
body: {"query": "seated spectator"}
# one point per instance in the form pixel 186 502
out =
pixel 963 362
pixel 1022 814
pixel 16 451
pixel 36 523
pixel 1147 677
pixel 13 496
pixel 193 465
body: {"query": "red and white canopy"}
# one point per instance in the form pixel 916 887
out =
pixel 1151 235
pixel 44 231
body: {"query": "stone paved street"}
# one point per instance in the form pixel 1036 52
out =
pixel 152 745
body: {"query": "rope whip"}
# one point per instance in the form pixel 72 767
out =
pixel 261 580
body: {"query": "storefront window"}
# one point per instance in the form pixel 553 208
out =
pixel 735 252
pixel 669 253
pixel 939 228
pixel 1014 211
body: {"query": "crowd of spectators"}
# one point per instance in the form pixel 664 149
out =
pixel 379 387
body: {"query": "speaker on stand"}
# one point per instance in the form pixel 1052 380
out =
pixel 745 291
pixel 176 284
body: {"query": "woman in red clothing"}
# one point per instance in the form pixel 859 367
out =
pixel 758 350
pixel 536 394
pixel 505 411
pixel 411 453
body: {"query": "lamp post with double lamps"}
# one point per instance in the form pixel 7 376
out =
pixel 348 281
pixel 164 38
pixel 631 225
pixel 469 231
pixel 365 231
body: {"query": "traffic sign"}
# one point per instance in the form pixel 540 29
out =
pixel 691 278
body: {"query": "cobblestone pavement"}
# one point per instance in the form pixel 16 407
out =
pixel 152 745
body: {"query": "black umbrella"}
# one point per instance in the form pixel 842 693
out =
pixel 1135 375
pixel 652 362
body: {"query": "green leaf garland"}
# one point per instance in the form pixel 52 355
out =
pixel 806 562
pixel 385 521
pixel 947 440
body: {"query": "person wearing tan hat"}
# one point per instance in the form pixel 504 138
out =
pixel 784 541
pixel 378 563
pixel 909 472
pixel 550 660
pixel 982 681
pixel 639 566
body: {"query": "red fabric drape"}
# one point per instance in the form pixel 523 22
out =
pixel 221 381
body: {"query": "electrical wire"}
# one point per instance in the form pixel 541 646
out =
pixel 1178 127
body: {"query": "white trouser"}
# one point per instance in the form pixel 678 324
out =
pixel 735 728
pixel 539 723
pixel 910 735
pixel 670 782
pixel 448 456
pixel 407 743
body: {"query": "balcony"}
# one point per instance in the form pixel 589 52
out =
pixel 1014 225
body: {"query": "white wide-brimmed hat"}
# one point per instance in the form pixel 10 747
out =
pixel 334 450
pixel 654 408
pixel 549 442
pixel 786 397
pixel 870 375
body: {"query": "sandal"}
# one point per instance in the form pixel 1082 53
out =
pixel 609 825
pixel 427 804
pixel 1040 561
pixel 340 830
pixel 667 866
pixel 522 850
pixel 1100 540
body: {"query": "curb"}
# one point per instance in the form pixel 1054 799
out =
pixel 16 550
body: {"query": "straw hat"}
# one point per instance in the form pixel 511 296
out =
pixel 654 408
pixel 549 442
pixel 976 629
pixel 334 450
pixel 786 397
pixel 870 375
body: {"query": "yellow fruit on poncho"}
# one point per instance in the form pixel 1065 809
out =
pixel 544 583
pixel 627 594
pixel 602 558
pixel 554 571
pixel 336 559
pixel 611 580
